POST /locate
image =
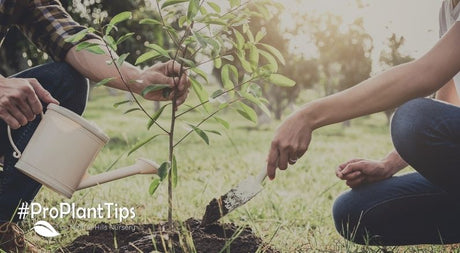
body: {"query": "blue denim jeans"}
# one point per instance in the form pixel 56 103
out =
pixel 417 208
pixel 70 88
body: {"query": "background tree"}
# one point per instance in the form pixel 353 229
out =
pixel 392 56
pixel 344 52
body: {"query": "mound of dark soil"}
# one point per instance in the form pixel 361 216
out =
pixel 147 238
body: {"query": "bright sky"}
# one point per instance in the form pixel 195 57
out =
pixel 416 20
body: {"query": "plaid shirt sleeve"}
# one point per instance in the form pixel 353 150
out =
pixel 47 25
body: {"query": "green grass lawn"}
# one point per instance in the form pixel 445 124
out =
pixel 293 212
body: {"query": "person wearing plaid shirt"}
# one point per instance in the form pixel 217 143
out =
pixel 64 82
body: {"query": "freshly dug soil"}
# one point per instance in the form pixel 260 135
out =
pixel 147 238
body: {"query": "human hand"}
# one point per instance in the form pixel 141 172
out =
pixel 20 100
pixel 289 144
pixel 358 172
pixel 166 73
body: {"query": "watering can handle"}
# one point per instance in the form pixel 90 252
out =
pixel 17 153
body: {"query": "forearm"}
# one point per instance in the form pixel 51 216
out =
pixel 95 67
pixel 385 91
pixel 391 88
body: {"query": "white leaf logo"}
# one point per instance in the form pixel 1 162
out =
pixel 45 229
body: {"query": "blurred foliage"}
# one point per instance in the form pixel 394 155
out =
pixel 344 52
pixel 342 59
pixel 17 53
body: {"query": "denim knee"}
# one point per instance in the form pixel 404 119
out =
pixel 347 217
pixel 410 127
pixel 74 86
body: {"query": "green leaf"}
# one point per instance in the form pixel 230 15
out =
pixel 201 133
pixel 223 122
pixel 239 39
pixel 281 80
pixel 187 62
pixel 274 52
pixel 174 171
pixel 214 6
pixel 154 87
pixel 234 3
pixel 163 170
pixel 80 35
pixel 172 2
pixel 159 49
pixel 225 75
pixel 217 93
pixel 147 56
pixel 272 63
pixel 201 93
pixel 120 17
pixel 124 37
pixel 260 35
pixel 84 45
pixel 110 42
pixel 90 47
pixel 193 7
pixel 250 35
pixel 182 21
pixel 200 73
pixel 247 112
pixel 203 10
pixel 104 81
pixel 116 105
pixel 218 63
pixel 132 110
pixel 154 185
pixel 156 115
pixel 253 56
pixel 142 143
pixel 213 132
pixel 245 64
pixel 122 59
pixel 149 21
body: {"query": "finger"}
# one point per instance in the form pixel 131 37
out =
pixel 182 83
pixel 172 68
pixel 352 167
pixel 18 115
pixel 357 182
pixel 352 176
pixel 10 120
pixel 272 161
pixel 25 108
pixel 283 160
pixel 338 173
pixel 292 159
pixel 182 98
pixel 34 103
pixel 343 165
pixel 42 94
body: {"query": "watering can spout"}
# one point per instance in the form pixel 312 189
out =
pixel 142 166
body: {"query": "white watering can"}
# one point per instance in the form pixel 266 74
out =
pixel 61 150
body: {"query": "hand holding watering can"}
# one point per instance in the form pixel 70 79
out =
pixel 61 150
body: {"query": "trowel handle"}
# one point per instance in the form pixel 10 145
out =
pixel 262 175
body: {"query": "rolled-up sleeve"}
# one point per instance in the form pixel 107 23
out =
pixel 48 25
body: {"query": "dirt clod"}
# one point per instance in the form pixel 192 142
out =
pixel 214 211
pixel 187 237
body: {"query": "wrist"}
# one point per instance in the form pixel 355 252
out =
pixel 133 79
pixel 310 114
pixel 390 166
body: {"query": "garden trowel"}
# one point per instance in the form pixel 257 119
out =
pixel 233 199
